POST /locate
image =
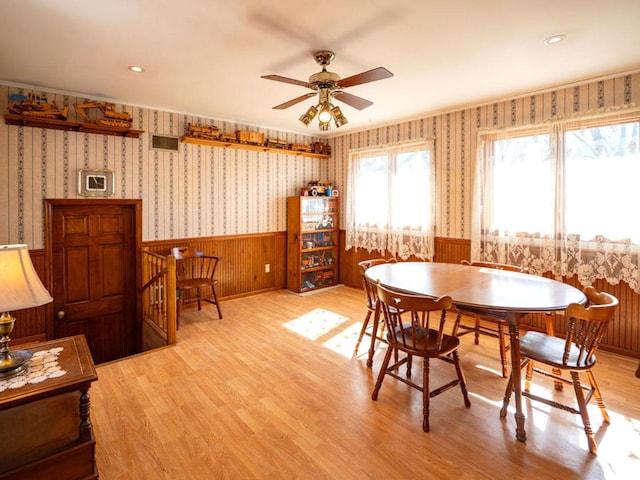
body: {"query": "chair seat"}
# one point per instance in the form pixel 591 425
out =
pixel 195 283
pixel 428 347
pixel 544 348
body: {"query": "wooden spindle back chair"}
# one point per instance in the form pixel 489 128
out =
pixel 196 271
pixel 415 326
pixel 575 353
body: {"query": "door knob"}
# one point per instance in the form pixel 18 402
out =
pixel 60 315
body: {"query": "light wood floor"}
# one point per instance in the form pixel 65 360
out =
pixel 274 392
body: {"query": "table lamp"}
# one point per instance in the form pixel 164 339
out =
pixel 20 287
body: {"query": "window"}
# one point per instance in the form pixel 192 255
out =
pixel 558 198
pixel 602 171
pixel 390 200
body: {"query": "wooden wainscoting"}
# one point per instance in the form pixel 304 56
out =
pixel 241 270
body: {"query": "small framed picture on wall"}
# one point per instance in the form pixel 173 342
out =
pixel 92 183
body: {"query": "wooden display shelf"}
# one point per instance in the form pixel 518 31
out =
pixel 248 146
pixel 56 124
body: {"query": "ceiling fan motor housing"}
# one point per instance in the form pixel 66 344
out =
pixel 324 79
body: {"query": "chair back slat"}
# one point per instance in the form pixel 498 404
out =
pixel 193 264
pixel 410 326
pixel 587 325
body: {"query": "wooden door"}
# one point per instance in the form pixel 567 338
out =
pixel 94 250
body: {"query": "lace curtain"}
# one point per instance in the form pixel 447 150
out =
pixel 561 198
pixel 390 200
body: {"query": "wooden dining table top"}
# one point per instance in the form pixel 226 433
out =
pixel 478 288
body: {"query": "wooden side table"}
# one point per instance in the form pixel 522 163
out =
pixel 45 428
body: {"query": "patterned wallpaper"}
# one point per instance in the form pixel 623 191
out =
pixel 456 133
pixel 209 191
pixel 197 191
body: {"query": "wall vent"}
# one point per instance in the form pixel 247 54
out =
pixel 165 142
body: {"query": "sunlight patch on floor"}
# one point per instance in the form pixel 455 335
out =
pixel 316 323
pixel 336 332
pixel 345 341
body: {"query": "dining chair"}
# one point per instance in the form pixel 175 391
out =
pixel 196 271
pixel 415 325
pixel 489 326
pixel 575 353
pixel 375 331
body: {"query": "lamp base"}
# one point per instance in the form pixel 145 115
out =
pixel 13 363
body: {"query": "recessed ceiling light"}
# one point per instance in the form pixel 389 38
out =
pixel 554 39
pixel 136 69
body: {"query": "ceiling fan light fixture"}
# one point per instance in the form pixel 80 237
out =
pixel 338 117
pixel 328 86
pixel 325 113
pixel 309 115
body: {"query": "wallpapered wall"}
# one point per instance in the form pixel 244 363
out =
pixel 208 191
pixel 198 191
pixel 456 133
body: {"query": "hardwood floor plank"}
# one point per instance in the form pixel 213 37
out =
pixel 274 391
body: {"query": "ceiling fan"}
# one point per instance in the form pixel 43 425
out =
pixel 328 85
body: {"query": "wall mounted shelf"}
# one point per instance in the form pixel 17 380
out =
pixel 55 124
pixel 248 146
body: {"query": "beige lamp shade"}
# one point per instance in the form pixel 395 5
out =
pixel 20 286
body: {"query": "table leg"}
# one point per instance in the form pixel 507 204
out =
pixel 85 421
pixel 516 374
pixel 374 335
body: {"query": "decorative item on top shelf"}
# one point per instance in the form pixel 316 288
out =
pixel 252 138
pixel 299 147
pixel 277 143
pixel 110 118
pixel 35 105
pixel 208 132
pixel 212 136
pixel 321 148
pixel 228 137
pixel 318 188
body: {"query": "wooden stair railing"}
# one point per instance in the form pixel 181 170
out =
pixel 158 300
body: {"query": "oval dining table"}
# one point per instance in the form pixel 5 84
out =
pixel 501 294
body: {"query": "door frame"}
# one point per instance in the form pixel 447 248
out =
pixel 136 204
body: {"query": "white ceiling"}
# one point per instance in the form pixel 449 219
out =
pixel 205 57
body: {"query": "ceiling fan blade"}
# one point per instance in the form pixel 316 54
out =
pixel 356 102
pixel 379 73
pixel 290 103
pixel 292 81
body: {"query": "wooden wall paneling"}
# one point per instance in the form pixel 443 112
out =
pixel 31 323
pixel 243 257
pixel 452 250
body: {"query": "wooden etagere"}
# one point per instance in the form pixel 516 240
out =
pixel 56 124
pixel 312 243
pixel 248 146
